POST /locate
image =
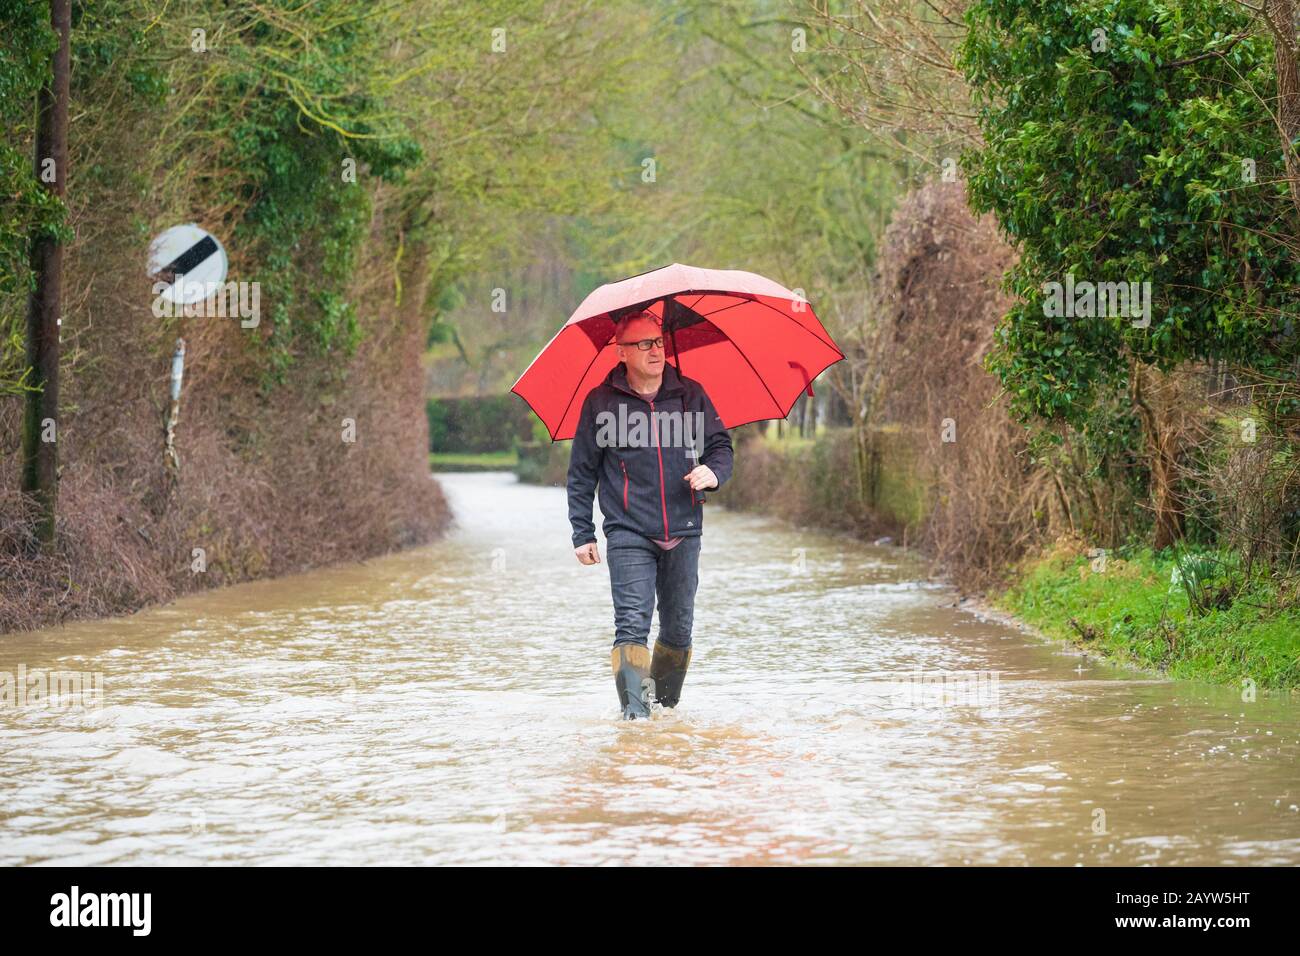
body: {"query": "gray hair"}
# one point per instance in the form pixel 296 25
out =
pixel 621 325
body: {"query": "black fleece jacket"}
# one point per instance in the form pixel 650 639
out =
pixel 636 454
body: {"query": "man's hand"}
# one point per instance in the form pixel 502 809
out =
pixel 588 553
pixel 702 478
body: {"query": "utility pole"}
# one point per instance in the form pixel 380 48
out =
pixel 45 304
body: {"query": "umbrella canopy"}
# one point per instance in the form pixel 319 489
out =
pixel 752 343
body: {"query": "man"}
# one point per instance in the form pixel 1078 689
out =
pixel 651 442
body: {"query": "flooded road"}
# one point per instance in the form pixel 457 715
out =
pixel 453 704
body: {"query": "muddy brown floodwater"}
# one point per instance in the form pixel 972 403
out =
pixel 453 704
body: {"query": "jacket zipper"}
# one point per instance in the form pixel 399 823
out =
pixel 697 461
pixel 623 465
pixel 663 496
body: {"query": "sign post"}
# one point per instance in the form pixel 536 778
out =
pixel 40 477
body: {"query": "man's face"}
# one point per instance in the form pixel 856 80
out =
pixel 650 362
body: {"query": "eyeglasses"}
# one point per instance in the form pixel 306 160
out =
pixel 645 345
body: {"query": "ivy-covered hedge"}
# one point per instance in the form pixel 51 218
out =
pixel 1133 141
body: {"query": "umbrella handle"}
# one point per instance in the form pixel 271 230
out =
pixel 699 494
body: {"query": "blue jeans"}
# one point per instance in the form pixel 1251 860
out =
pixel 640 570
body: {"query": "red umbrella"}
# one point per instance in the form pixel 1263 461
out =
pixel 752 343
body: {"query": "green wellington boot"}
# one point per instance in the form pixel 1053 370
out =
pixel 668 671
pixel 631 664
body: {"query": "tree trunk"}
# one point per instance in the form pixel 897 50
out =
pixel 809 416
pixel 1280 15
pixel 45 304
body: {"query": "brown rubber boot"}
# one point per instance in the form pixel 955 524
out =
pixel 668 671
pixel 631 665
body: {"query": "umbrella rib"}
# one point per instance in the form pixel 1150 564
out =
pixel 741 353
pixel 704 315
pixel 723 309
pixel 760 378
pixel 709 315
pixel 575 390
pixel 533 410
pixel 802 326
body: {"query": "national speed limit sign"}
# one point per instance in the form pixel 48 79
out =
pixel 189 262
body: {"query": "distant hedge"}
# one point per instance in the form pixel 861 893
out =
pixel 478 424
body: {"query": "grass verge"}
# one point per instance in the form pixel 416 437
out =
pixel 473 461
pixel 1130 608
